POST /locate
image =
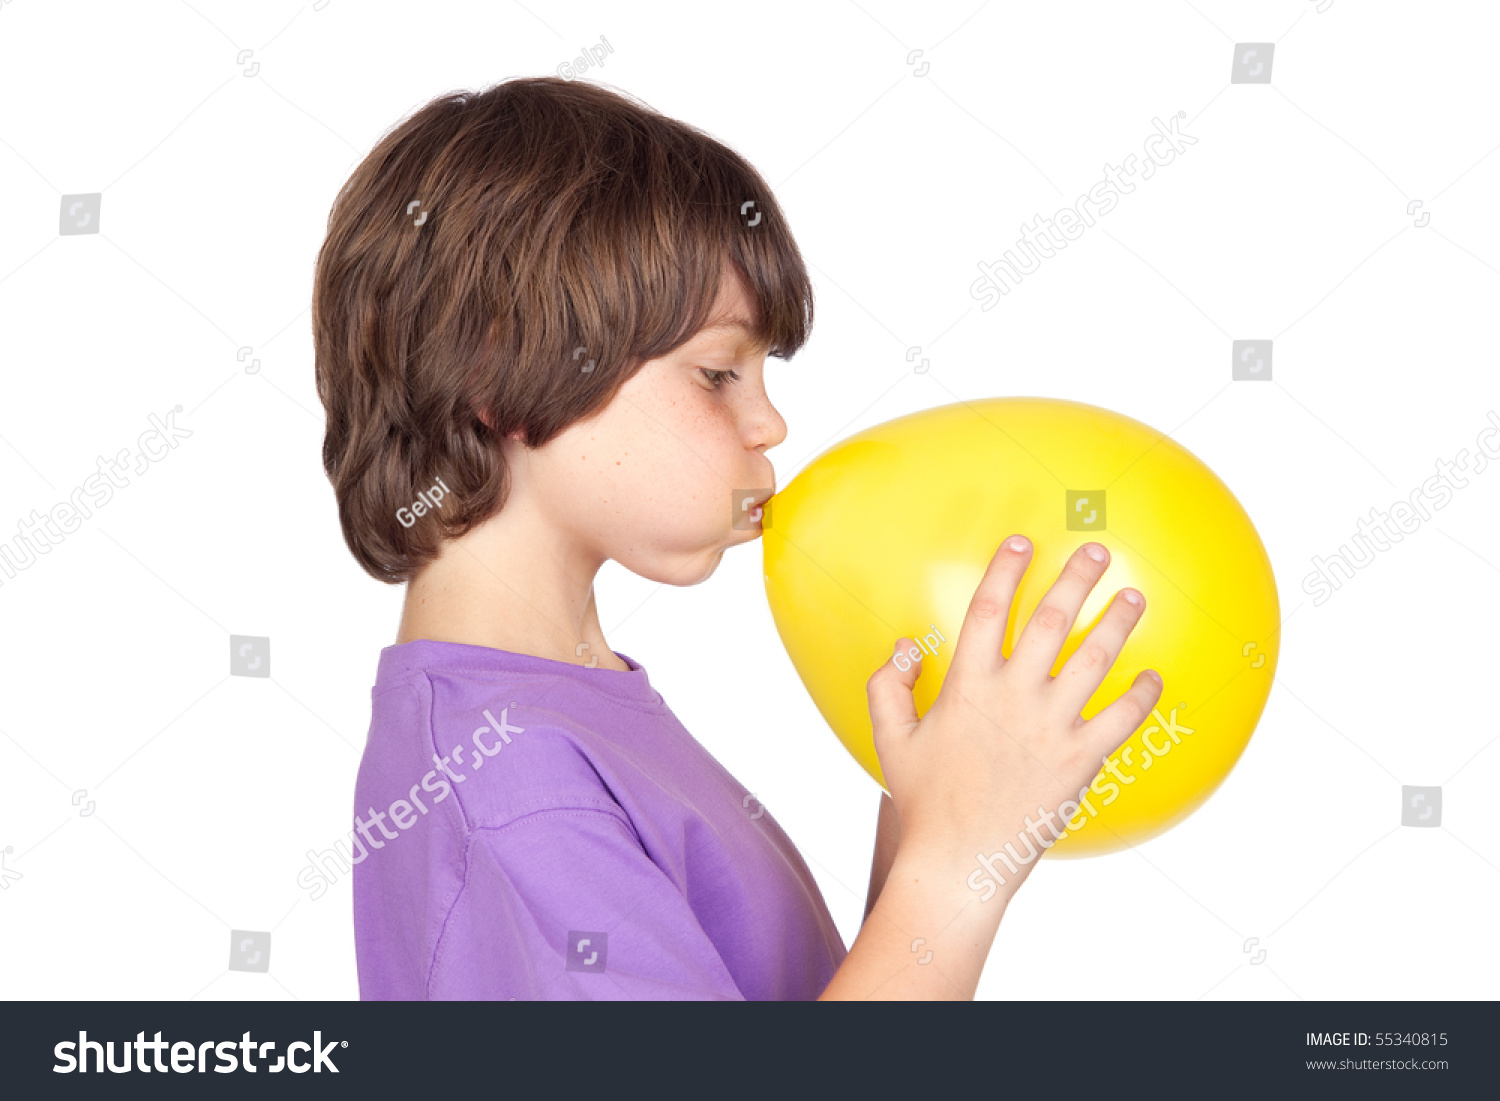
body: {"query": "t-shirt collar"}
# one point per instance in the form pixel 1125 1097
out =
pixel 399 661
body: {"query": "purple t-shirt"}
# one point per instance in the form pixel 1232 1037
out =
pixel 535 829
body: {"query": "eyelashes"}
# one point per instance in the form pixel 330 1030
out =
pixel 718 378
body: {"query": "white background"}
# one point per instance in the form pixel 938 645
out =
pixel 1287 220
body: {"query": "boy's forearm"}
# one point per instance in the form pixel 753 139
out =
pixel 927 936
pixel 887 838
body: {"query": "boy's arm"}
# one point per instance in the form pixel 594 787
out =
pixel 887 837
pixel 928 914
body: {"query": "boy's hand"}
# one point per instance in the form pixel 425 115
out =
pixel 1004 742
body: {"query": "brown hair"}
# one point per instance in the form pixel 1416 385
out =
pixel 505 260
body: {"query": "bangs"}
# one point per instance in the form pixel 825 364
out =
pixel 681 222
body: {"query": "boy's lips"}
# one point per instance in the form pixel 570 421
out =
pixel 754 510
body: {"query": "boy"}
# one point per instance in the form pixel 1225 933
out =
pixel 541 316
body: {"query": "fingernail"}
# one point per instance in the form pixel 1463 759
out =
pixel 1131 596
pixel 1154 675
pixel 1096 552
pixel 1018 544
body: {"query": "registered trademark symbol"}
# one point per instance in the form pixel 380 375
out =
pixel 344 1043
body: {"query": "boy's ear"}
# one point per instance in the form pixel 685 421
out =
pixel 488 419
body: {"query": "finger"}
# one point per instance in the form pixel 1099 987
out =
pixel 982 634
pixel 1036 651
pixel 893 708
pixel 1080 678
pixel 1108 730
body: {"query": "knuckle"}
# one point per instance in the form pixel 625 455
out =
pixel 1051 617
pixel 1092 656
pixel 1141 700
pixel 1082 758
pixel 984 607
pixel 1082 567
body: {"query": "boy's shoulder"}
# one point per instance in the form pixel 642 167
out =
pixel 506 746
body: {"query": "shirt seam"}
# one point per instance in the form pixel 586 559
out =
pixel 463 811
pixel 609 806
pixel 562 811
pixel 471 832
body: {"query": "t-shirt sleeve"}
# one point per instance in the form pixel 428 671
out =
pixel 565 903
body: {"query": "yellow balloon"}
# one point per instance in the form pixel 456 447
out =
pixel 889 532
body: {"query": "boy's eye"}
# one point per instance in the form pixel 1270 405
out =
pixel 717 377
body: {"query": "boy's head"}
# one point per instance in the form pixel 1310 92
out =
pixel 538 286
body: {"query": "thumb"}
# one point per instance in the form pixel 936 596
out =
pixel 893 709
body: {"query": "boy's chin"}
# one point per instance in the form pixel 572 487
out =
pixel 689 572
pixel 713 567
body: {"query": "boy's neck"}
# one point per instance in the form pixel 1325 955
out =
pixel 481 592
